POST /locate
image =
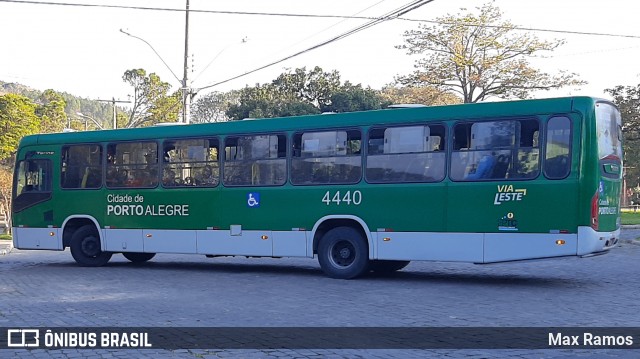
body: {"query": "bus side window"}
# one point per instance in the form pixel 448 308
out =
pixel 190 163
pixel 406 154
pixel 495 150
pixel 258 160
pixel 557 162
pixel 81 167
pixel 324 157
pixel 527 161
pixel 132 164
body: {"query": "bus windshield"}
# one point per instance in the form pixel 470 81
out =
pixel 609 125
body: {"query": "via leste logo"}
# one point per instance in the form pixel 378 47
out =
pixel 506 193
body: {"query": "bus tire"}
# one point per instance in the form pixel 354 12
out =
pixel 387 266
pixel 85 247
pixel 343 253
pixel 138 257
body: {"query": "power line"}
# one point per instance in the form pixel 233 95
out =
pixel 389 16
pixel 319 16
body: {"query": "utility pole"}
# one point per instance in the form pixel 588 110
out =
pixel 186 93
pixel 113 102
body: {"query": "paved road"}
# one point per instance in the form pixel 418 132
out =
pixel 46 289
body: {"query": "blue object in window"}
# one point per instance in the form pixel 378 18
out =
pixel 485 167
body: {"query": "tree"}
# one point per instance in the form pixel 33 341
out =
pixel 213 107
pixel 17 119
pixel 51 111
pixel 302 93
pixel 627 98
pixel 6 184
pixel 151 102
pixel 315 86
pixel 425 95
pixel 480 56
pixel 349 98
pixel 267 101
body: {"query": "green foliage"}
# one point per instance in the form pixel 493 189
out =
pixel 17 119
pixel 267 101
pixel 630 218
pixel 315 86
pixel 478 56
pixel 349 98
pixel 213 107
pixel 425 95
pixel 301 93
pixel 627 98
pixel 51 111
pixel 100 111
pixel 151 102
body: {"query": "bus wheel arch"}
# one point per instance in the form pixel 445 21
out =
pixel 82 235
pixel 86 247
pixel 343 247
pixel 72 224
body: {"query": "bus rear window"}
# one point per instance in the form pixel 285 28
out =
pixel 609 125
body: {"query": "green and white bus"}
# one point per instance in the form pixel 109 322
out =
pixel 372 190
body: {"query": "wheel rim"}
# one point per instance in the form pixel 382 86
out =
pixel 342 254
pixel 91 246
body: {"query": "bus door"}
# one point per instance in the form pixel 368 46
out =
pixel 497 196
pixel 33 210
pixel 607 198
pixel 406 166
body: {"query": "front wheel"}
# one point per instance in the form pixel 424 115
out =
pixel 138 257
pixel 86 249
pixel 343 253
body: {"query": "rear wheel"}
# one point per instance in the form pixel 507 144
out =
pixel 385 266
pixel 343 253
pixel 86 249
pixel 138 257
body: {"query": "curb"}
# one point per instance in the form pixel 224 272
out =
pixel 630 226
pixel 630 241
pixel 6 248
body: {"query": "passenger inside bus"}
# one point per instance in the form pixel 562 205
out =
pixel 206 177
pixel 484 168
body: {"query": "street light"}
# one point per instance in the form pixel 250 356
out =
pixel 183 83
pixel 154 50
pixel 86 117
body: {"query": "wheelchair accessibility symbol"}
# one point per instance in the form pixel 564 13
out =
pixel 253 199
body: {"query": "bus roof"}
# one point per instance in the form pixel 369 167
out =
pixel 385 116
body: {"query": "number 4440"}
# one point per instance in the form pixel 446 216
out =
pixel 347 197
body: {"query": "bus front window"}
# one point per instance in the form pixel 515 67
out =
pixel 32 176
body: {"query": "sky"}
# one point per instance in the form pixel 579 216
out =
pixel 81 51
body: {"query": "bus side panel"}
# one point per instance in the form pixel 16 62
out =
pixel 37 238
pixel 453 247
pixel 123 240
pixel 404 207
pixel 501 247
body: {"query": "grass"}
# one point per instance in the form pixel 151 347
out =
pixel 5 237
pixel 630 217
